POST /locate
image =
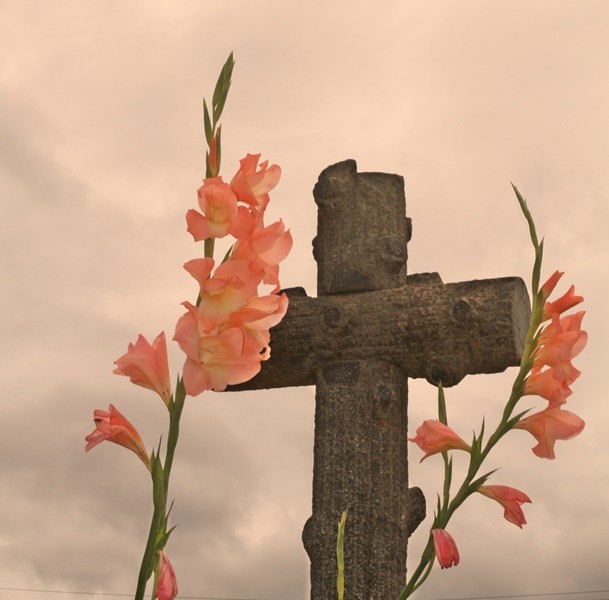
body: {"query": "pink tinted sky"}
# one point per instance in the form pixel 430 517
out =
pixel 101 154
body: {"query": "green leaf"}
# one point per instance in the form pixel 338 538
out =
pixel 222 88
pixel 442 417
pixel 474 485
pixel 527 215
pixel 340 556
pixel 218 149
pixel 537 269
pixel 209 132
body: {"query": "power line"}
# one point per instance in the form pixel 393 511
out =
pixel 525 595
pixel 117 595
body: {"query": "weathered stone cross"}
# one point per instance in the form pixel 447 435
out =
pixel 370 328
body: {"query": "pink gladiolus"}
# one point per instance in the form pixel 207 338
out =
pixel 167 584
pixel 511 500
pixel 147 365
pixel 560 348
pixel 548 287
pixel 256 318
pixel 221 215
pixel 264 248
pixel 562 304
pixel 226 292
pixel 446 549
pixel 252 182
pixel 111 425
pixel 548 426
pixel 560 325
pixel 433 437
pixel 545 384
pixel 214 359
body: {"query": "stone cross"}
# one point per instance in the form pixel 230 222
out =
pixel 370 328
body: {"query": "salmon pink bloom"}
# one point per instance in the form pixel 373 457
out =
pixel 445 547
pixel 167 584
pixel 264 248
pixel 560 348
pixel 111 425
pixel 548 426
pixel 562 304
pixel 257 317
pixel 221 215
pixel 554 389
pixel 433 437
pixel 147 365
pixel 561 325
pixel 226 292
pixel 252 182
pixel 510 498
pixel 214 359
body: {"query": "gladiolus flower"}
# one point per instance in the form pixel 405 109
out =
pixel 562 304
pixel 560 348
pixel 167 584
pixel 111 425
pixel 548 426
pixel 446 549
pixel 252 182
pixel 214 359
pixel 511 500
pixel 147 365
pixel 548 386
pixel 226 292
pixel 433 437
pixel 221 215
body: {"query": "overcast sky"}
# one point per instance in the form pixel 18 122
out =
pixel 101 153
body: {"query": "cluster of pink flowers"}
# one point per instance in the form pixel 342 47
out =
pixel 550 377
pixel 225 335
pixel 552 373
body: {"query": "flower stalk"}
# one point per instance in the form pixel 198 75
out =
pixel 544 347
pixel 225 335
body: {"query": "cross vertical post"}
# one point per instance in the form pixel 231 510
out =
pixel 361 246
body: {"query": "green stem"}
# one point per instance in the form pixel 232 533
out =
pixel 157 535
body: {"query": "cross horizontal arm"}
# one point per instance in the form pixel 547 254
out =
pixel 440 332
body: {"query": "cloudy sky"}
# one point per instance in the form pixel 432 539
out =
pixel 101 152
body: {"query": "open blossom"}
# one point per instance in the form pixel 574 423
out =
pixel 214 359
pixel 544 383
pixel 558 343
pixel 147 365
pixel 445 547
pixel 264 248
pixel 252 182
pixel 433 437
pixel 510 498
pixel 257 317
pixel 550 425
pixel 227 291
pixel 167 584
pixel 111 425
pixel 221 214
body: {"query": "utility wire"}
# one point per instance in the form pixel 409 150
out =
pixel 524 595
pixel 116 595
